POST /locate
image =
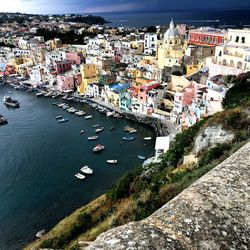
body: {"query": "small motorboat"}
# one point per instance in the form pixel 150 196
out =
pixel 87 170
pixel 128 138
pixel 55 103
pixel 92 138
pixel 133 131
pixel 71 110
pixel 141 157
pixel 98 148
pixel 80 113
pixel 3 120
pixel 99 130
pixel 11 102
pixel 63 120
pixel 88 117
pixel 80 176
pixel 65 106
pixel 112 128
pixel 82 132
pixel 95 125
pixel 39 94
pixel 110 113
pixel 40 233
pixel 112 161
pixel 59 117
pixel 147 138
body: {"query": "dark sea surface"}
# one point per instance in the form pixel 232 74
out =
pixel 191 17
pixel 39 157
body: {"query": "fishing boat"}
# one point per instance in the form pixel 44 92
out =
pixel 87 170
pixel 63 120
pixel 88 117
pixel 141 157
pixel 80 176
pixel 11 102
pixel 99 130
pixel 40 233
pixel 128 138
pixel 98 148
pixel 112 128
pixel 147 138
pixel 92 138
pixel 3 120
pixel 82 132
pixel 59 117
pixel 112 161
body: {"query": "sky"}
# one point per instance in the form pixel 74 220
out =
pixel 106 6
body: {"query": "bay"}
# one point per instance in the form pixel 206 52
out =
pixel 39 157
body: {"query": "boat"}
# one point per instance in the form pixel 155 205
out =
pixel 80 176
pixel 11 102
pixel 39 94
pixel 92 138
pixel 141 157
pixel 70 98
pixel 110 113
pixel 128 138
pixel 95 125
pixel 63 120
pixel 82 131
pixel 98 148
pixel 40 233
pixel 147 138
pixel 112 128
pixel 99 130
pixel 55 103
pixel 88 117
pixel 65 97
pixel 80 113
pixel 3 120
pixel 65 106
pixel 60 105
pixel 112 161
pixel 133 131
pixel 49 94
pixel 86 170
pixel 116 115
pixel 102 111
pixel 59 117
pixel 71 110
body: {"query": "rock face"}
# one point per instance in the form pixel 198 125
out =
pixel 210 137
pixel 213 213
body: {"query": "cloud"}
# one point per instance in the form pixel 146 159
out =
pixel 112 8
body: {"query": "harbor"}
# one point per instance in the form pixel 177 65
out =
pixel 41 157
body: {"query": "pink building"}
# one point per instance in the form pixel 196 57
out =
pixel 62 66
pixel 74 57
pixel 68 81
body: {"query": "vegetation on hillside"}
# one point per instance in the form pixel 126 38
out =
pixel 239 94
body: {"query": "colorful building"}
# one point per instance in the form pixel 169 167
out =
pixel 62 66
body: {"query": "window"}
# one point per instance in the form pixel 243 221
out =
pixel 237 39
pixel 199 38
pixel 243 39
pixel 216 40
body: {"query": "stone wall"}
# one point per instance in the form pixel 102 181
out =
pixel 213 213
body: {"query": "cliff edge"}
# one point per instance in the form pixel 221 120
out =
pixel 213 213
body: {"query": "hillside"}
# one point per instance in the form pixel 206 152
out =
pixel 143 191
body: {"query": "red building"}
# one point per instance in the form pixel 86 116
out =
pixel 206 36
pixel 63 66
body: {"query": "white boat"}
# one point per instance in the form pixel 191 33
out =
pixel 92 138
pixel 99 130
pixel 59 117
pixel 86 170
pixel 112 161
pixel 110 113
pixel 95 125
pixel 63 120
pixel 98 148
pixel 147 138
pixel 40 233
pixel 133 131
pixel 80 176
pixel 71 110
pixel 65 106
pixel 80 113
pixel 88 117
pixel 11 102
pixel 42 93
pixel 49 94
pixel 82 131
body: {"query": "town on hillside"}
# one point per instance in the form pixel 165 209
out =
pixel 174 72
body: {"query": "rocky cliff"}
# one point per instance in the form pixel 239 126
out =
pixel 213 213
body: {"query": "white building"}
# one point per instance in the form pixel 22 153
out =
pixel 161 146
pixel 150 43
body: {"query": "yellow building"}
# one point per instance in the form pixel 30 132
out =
pixel 171 51
pixel 89 75
pixel 178 83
